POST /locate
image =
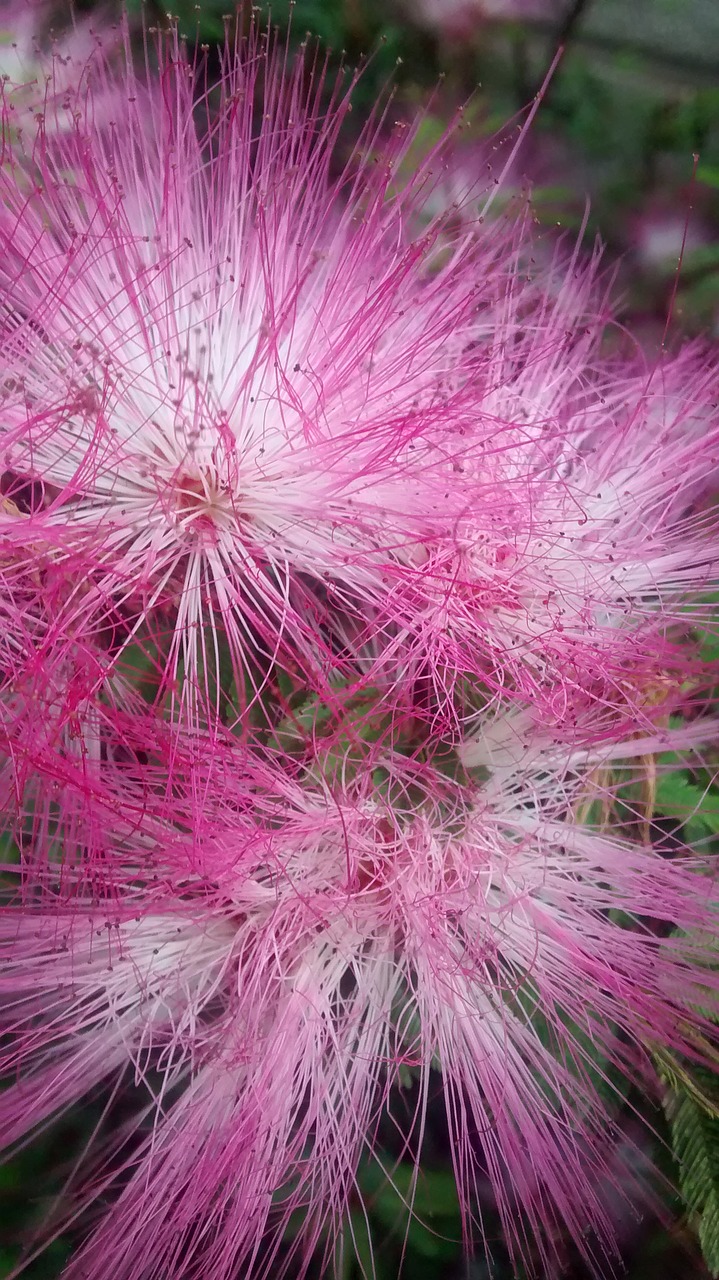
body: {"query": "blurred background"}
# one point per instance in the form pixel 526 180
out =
pixel 630 119
pixel 630 122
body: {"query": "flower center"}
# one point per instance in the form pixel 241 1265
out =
pixel 201 506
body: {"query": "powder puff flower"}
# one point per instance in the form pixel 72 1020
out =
pixel 266 420
pixel 594 571
pixel 280 976
pixel 249 355
pixel 457 19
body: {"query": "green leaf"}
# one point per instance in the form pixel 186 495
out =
pixel 695 1142
pixel 9 852
pixel 358 1256
pixel 709 174
pixel 419 1206
pixel 709 640
pixel 678 797
pixel 430 1192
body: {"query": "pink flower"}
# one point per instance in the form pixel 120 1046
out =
pixel 279 971
pixel 458 19
pixel 220 374
pixel 666 230
pixel 264 420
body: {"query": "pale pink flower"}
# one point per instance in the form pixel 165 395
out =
pixel 281 973
pixel 458 19
pixel 668 230
pixel 589 541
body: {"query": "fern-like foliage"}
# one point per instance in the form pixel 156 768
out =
pixel 692 1108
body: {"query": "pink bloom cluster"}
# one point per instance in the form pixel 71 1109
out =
pixel 461 18
pixel 345 575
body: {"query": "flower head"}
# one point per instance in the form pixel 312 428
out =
pixel 264 422
pixel 281 966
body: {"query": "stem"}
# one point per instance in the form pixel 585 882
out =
pixel 564 37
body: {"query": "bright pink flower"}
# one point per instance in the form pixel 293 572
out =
pixel 264 419
pixel 223 375
pixel 281 974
